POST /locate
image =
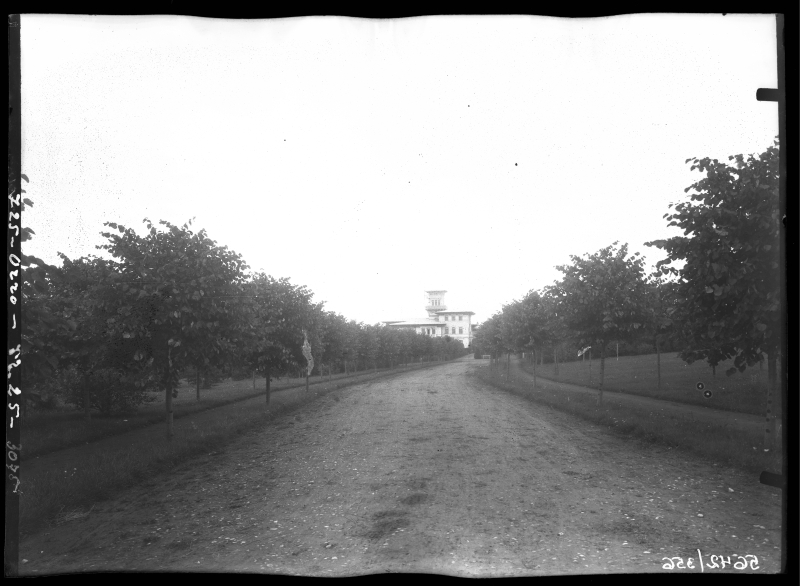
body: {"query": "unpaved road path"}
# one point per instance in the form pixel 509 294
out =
pixel 429 471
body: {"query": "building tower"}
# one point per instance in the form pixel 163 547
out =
pixel 434 301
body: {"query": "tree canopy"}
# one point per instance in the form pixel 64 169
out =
pixel 729 282
pixel 603 295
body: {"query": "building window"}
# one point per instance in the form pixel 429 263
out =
pixel 460 317
pixel 460 330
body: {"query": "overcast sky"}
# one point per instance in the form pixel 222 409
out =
pixel 372 160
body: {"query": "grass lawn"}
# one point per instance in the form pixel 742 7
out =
pixel 743 392
pixel 711 438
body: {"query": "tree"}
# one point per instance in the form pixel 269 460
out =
pixel 350 348
pixel 369 343
pixel 389 345
pixel 603 295
pixel 556 330
pixel 42 327
pixel 730 280
pixel 93 362
pixel 660 309
pixel 277 317
pixel 536 318
pixel 489 336
pixel 177 290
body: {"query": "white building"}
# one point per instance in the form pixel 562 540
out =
pixel 440 321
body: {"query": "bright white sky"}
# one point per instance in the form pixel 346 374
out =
pixel 372 160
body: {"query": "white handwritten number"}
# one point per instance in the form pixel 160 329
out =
pixel 713 564
pixel 669 565
pixel 753 562
pixel 690 564
pixel 741 564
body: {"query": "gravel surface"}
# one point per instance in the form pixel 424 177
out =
pixel 428 471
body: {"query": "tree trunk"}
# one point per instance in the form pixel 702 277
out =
pixel 534 368
pixel 590 366
pixel 306 381
pixel 87 414
pixel 714 370
pixel 254 380
pixel 555 359
pixel 658 363
pixel 617 351
pixel 772 375
pixel 170 428
pixel 345 367
pixel 508 364
pixel 602 369
pixel 267 385
pixel 197 382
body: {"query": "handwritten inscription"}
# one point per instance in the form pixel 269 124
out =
pixel 13 361
pixel 713 562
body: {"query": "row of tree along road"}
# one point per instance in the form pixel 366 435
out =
pixel 717 295
pixel 108 332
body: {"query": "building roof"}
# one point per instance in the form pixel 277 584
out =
pixel 455 311
pixel 416 322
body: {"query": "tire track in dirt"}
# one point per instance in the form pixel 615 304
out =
pixel 429 471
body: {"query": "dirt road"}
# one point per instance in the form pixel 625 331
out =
pixel 430 471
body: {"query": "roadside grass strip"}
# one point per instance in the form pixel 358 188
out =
pixel 64 485
pixel 710 437
pixel 637 375
pixel 44 433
